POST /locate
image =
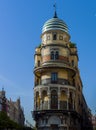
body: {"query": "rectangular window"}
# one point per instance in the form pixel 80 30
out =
pixel 38 63
pixel 54 77
pixel 54 36
pixel 54 55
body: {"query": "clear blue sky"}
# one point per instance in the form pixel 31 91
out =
pixel 21 23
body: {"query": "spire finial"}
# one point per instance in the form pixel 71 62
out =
pixel 3 88
pixel 55 13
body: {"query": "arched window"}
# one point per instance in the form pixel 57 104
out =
pixel 54 99
pixel 44 100
pixel 37 100
pixel 70 100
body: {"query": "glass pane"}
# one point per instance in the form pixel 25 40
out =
pixel 54 77
pixel 56 55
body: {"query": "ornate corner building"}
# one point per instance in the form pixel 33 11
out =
pixel 59 103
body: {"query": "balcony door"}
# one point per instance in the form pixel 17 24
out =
pixel 54 99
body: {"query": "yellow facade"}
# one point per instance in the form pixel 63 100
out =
pixel 58 97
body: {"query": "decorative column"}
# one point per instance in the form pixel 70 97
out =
pixel 68 99
pixel 49 98
pixel 40 96
pixel 59 98
pixel 34 100
pixel 73 100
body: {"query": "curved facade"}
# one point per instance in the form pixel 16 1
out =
pixel 58 100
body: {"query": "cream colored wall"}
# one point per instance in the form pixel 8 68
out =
pixel 63 97
pixel 45 51
pixel 61 74
pixel 45 36
pixel 75 60
pixel 62 51
pixel 78 93
pixel 46 76
pixel 37 58
pixel 38 50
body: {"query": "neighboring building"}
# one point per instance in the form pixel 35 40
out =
pixel 94 121
pixel 2 101
pixel 13 109
pixel 15 112
pixel 86 115
pixel 59 103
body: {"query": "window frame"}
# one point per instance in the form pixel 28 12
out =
pixel 54 77
pixel 54 55
pixel 54 99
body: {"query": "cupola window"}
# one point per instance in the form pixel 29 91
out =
pixel 54 36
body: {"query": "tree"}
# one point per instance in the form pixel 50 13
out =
pixel 5 122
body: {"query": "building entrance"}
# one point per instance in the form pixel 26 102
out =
pixel 54 127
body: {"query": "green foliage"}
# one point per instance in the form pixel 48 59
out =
pixel 39 45
pixel 72 45
pixel 5 122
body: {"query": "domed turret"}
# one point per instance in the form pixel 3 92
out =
pixel 55 24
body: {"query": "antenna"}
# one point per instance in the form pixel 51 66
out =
pixel 55 13
pixel 54 7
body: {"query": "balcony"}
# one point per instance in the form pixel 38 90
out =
pixel 66 62
pixel 59 81
pixel 59 105
pixel 50 65
pixel 40 113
